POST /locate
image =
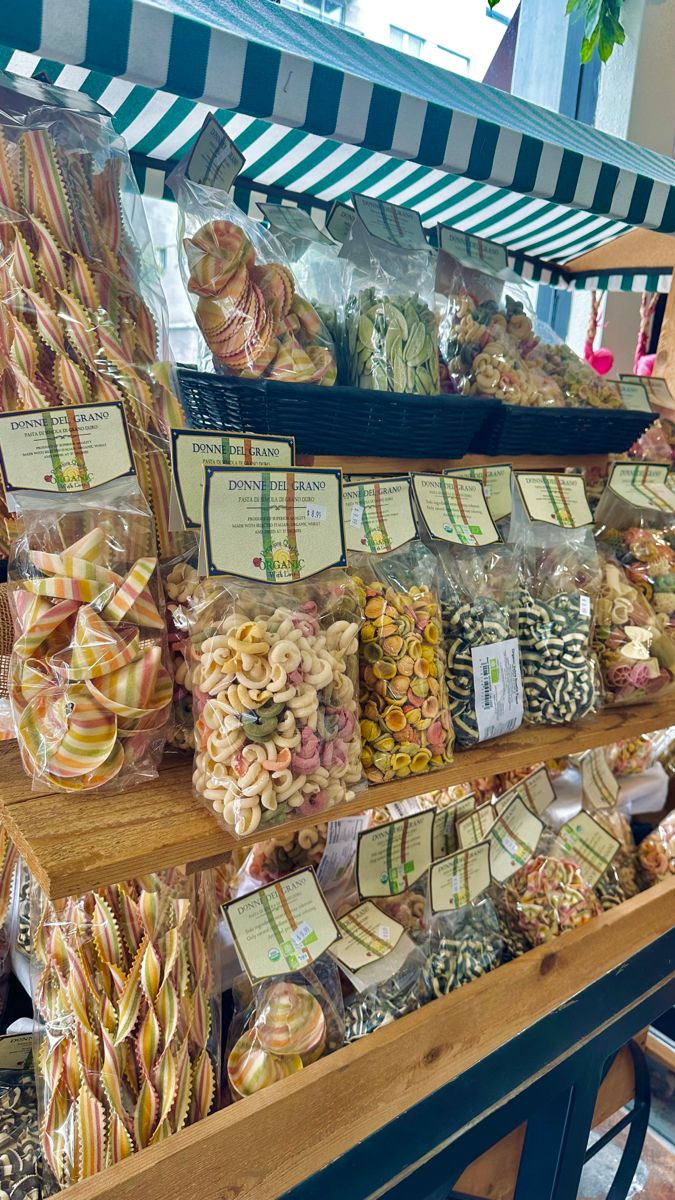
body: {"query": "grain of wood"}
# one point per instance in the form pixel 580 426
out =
pixel 260 1148
pixel 76 842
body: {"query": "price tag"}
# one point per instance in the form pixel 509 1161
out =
pixel 316 513
pixel 356 516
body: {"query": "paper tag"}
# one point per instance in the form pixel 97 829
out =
pixel 365 936
pixel 455 510
pixel 273 525
pixel 475 826
pixel 536 791
pixel 644 485
pixel 600 788
pixel 444 834
pixel 390 858
pixel 214 160
pixel 340 220
pixel 476 253
pixel 16 1051
pixel 513 839
pixel 460 878
pixel 391 223
pixel 339 851
pixel 65 449
pixel 286 218
pixel 635 395
pixel 496 481
pixel 498 688
pixel 590 846
pixel 555 499
pixel 378 515
pixel 281 927
pixel 657 389
pixel 194 449
pixel 404 808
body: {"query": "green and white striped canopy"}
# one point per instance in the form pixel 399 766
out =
pixel 320 112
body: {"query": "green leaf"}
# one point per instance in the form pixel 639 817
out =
pixel 493 3
pixel 573 5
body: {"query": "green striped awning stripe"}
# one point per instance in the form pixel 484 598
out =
pixel 320 112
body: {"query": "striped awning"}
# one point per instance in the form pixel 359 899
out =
pixel 320 112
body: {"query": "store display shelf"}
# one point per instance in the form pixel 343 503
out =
pixel 510 1027
pixel 73 843
pixel 513 430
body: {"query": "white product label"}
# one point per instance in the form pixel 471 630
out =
pixel 340 220
pixel 635 396
pixel 585 606
pixel 590 846
pixel 214 159
pixel 536 791
pixel 513 839
pixel 498 688
pixel 356 516
pixel 476 253
pixel 599 786
pixel 340 850
pixel 391 223
pixel 644 485
pixel 287 218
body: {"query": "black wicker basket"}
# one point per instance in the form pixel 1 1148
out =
pixel 337 420
pixel 512 430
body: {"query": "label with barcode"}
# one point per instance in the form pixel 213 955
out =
pixel 498 688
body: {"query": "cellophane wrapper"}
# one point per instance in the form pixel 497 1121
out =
pixel 282 1025
pixel 559 573
pixel 479 608
pixel 251 314
pixel 283 852
pixel 643 542
pixel 406 726
pixel 631 756
pixel 20 1135
pixel 181 584
pixel 463 945
pixel 547 897
pixel 324 278
pixel 391 331
pixel 9 869
pixel 656 852
pixel 82 313
pixel 635 645
pixel 6 643
pixel 127 1033
pixel 275 698
pixel 90 685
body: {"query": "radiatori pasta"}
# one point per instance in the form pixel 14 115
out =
pixel 275 699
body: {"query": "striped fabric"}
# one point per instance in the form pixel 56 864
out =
pixel 634 280
pixel 320 112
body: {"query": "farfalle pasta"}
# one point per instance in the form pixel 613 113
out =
pixel 128 1047
pixel 636 654
pixel 274 691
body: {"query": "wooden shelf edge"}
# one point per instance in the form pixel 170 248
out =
pixel 661 1049
pixel 75 843
pixel 260 1148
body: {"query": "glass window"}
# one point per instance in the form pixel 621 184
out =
pixel 409 43
pixel 451 60
pixel 331 11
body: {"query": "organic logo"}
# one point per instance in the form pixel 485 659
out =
pixel 282 559
pixel 69 476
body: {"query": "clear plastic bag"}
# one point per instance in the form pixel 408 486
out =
pixel 463 945
pixel 478 605
pixel 406 725
pixel 564 374
pixel 560 575
pixel 251 315
pixel 82 314
pixel 631 756
pixel 279 855
pixel 275 693
pixel 656 852
pixel 128 1037
pixel 637 656
pixel 391 330
pixel 90 689
pixel 284 1025
pixel 547 897
pixel 624 863
pixel 20 1136
pixel 181 585
pixel 404 992
pixel 641 539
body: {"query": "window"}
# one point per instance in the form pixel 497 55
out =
pixel 451 60
pixel 400 39
pixel 331 11
pixel 497 15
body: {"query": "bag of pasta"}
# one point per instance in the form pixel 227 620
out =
pixel 274 641
pixel 464 940
pixel 390 324
pixel 148 1052
pixel 656 852
pixel 406 725
pixel 82 313
pixel 559 569
pixel 254 320
pixel 90 688
pixel 478 607
pixel 288 1006
pixel 635 520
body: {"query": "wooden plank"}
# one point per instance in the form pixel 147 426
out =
pixel 73 843
pixel 260 1148
pixel 665 356
pixel 494 1174
pixel 661 1049
pixel 635 249
pixel 398 466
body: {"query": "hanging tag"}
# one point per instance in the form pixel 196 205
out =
pixel 644 485
pixel 288 219
pixel 338 853
pixel 635 395
pixel 282 927
pixel 513 839
pixel 339 221
pixel 460 878
pixel 392 223
pixel 555 499
pixel 378 515
pixel 390 858
pixel 455 510
pixel 590 846
pixel 366 935
pixel 69 449
pixel 214 160
pixel 272 525
pixel 496 481
pixel 600 788
pixel 475 826
pixel 657 389
pixel 536 791
pixel 477 253
pixel 194 449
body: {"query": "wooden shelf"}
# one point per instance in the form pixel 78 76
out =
pixel 261 1148
pixel 74 843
